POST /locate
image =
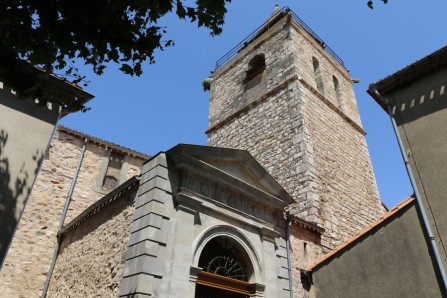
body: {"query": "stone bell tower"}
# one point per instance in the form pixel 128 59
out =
pixel 286 97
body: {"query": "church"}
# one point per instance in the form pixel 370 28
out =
pixel 286 177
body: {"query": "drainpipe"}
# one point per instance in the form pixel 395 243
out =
pixel 61 223
pixel 415 188
pixel 289 265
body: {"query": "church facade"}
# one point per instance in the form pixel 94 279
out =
pixel 286 177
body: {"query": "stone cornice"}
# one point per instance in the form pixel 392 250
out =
pixel 253 104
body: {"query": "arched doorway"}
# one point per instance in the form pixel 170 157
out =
pixel 226 270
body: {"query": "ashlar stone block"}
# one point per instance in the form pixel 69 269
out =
pixel 149 233
pixel 156 182
pixel 159 159
pixel 157 171
pixel 146 247
pixel 145 265
pixel 152 207
pixel 154 194
pixel 137 284
pixel 150 220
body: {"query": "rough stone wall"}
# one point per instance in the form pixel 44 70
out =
pixel 25 269
pixel 309 144
pixel 304 48
pixel 345 189
pixel 229 90
pixel 305 249
pixel 92 255
pixel 344 181
pixel 272 139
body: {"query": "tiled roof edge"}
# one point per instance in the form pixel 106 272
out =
pixel 104 142
pixel 306 224
pixel 95 207
pixel 360 234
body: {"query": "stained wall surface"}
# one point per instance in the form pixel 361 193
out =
pixel 33 245
pixel 25 131
pixel 420 110
pixel 392 260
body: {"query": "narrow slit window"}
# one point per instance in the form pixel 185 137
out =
pixel 318 76
pixel 338 96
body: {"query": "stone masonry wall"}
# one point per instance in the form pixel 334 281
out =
pixel 228 89
pixel 25 269
pixel 343 175
pixel 304 48
pixel 305 249
pixel 92 255
pixel 344 182
pixel 312 146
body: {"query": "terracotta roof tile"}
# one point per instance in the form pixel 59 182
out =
pixel 348 242
pixel 104 142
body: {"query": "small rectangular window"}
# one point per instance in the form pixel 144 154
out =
pixel 112 176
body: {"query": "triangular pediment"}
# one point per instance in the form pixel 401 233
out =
pixel 239 169
pixel 236 168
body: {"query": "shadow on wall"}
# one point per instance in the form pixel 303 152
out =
pixel 9 195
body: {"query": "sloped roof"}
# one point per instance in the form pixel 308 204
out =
pixel 117 193
pixel 363 233
pixel 102 142
pixel 408 74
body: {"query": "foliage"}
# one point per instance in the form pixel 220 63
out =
pixel 55 34
pixel 371 3
pixel 206 85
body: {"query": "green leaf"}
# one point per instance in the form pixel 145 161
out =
pixel 127 69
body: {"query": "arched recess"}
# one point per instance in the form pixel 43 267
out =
pixel 229 246
pixel 338 93
pixel 256 66
pixel 318 76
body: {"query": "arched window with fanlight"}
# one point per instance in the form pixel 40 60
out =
pixel 226 270
pixel 318 76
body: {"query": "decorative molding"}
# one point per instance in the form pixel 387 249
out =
pixel 188 204
pixel 194 273
pixel 224 283
pixel 268 234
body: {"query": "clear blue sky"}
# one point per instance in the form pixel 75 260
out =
pixel 166 105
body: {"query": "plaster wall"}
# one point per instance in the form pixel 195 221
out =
pixel 25 131
pixel 33 245
pixel 420 112
pixel 393 260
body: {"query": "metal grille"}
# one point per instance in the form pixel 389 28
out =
pixel 226 266
pixel 250 38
